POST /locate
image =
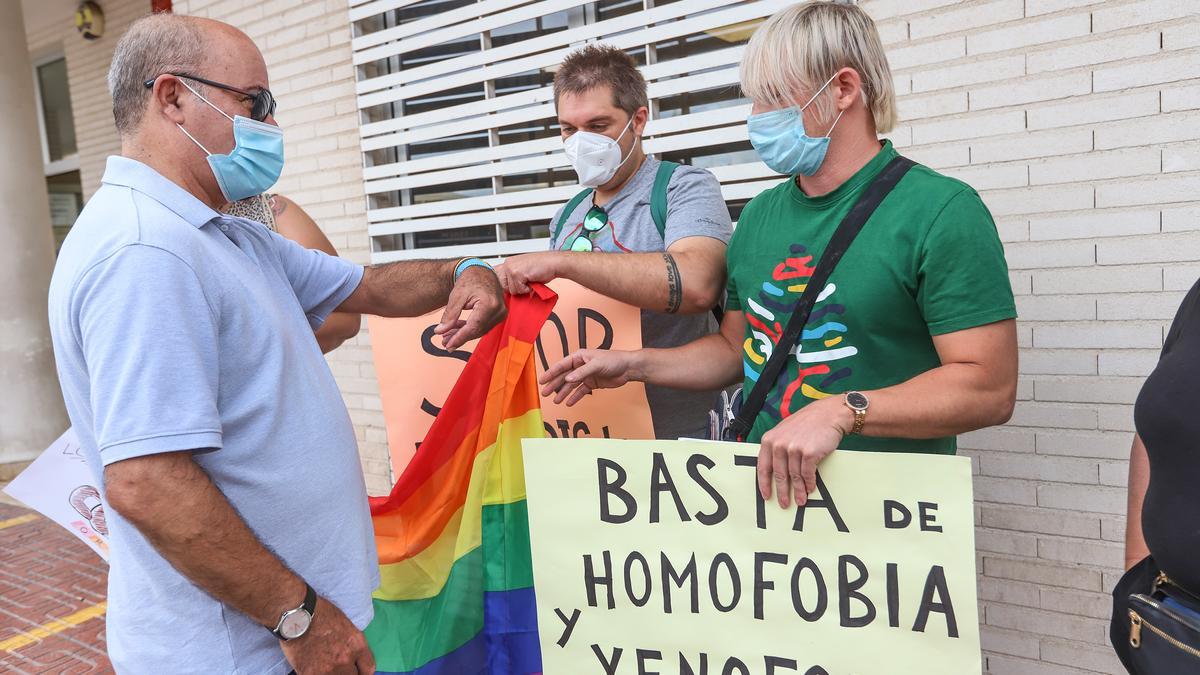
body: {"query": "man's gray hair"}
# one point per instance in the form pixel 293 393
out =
pixel 153 45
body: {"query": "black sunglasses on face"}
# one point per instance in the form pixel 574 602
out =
pixel 262 108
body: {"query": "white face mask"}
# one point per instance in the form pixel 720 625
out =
pixel 596 157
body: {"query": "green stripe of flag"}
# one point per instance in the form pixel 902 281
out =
pixel 509 561
pixel 407 634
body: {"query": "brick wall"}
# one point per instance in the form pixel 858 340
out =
pixel 87 71
pixel 1079 122
pixel 306 44
pixel 47 40
pixel 87 67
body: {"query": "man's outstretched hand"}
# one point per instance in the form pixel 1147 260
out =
pixel 478 291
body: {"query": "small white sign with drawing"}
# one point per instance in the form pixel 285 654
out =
pixel 61 487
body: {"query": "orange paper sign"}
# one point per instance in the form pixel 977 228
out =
pixel 416 374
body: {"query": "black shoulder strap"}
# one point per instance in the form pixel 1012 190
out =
pixel 849 228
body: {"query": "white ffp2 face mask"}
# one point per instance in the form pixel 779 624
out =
pixel 595 157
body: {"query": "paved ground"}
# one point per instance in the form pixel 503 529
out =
pixel 51 598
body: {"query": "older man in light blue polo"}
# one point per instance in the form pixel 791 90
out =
pixel 242 541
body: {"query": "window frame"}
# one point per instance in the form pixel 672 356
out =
pixel 70 162
pixel 517 155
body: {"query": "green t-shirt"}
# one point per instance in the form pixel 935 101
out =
pixel 928 262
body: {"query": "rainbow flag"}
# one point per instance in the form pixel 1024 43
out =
pixel 456 596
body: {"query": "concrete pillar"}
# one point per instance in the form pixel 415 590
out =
pixel 31 407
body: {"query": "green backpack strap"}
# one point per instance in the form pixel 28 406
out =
pixel 658 211
pixel 566 213
pixel 658 196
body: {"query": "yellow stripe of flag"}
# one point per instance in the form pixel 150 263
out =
pixel 424 574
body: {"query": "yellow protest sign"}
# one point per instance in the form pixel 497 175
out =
pixel 416 374
pixel 658 557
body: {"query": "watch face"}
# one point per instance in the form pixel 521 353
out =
pixel 856 400
pixel 295 624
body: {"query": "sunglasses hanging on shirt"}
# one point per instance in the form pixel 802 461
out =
pixel 595 221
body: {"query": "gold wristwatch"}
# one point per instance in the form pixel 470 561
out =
pixel 858 403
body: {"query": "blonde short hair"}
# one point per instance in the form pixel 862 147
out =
pixel 795 51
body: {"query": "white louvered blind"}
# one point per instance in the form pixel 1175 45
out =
pixel 459 135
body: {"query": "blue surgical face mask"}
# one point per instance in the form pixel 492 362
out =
pixel 255 162
pixel 779 138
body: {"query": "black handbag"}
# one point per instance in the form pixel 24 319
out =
pixel 1161 626
pixel 752 403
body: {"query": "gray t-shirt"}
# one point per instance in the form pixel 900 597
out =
pixel 695 208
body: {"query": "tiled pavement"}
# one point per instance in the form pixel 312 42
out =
pixel 51 598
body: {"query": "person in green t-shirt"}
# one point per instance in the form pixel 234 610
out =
pixel 916 326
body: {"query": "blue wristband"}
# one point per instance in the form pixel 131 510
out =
pixel 467 264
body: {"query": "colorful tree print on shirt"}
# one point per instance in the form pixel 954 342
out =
pixel 822 344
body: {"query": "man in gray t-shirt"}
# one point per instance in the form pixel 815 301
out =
pixel 676 274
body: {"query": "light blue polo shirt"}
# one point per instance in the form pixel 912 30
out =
pixel 178 328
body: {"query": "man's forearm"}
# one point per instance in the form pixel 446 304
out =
pixel 672 282
pixel 175 505
pixel 404 288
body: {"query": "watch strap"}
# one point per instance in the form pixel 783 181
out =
pixel 310 600
pixel 309 607
pixel 860 420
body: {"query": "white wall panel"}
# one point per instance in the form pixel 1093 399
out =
pixel 459 129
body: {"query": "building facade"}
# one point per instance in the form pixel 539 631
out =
pixel 419 128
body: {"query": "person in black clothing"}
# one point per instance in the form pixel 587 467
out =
pixel 1163 528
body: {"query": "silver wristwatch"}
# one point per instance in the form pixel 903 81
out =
pixel 294 623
